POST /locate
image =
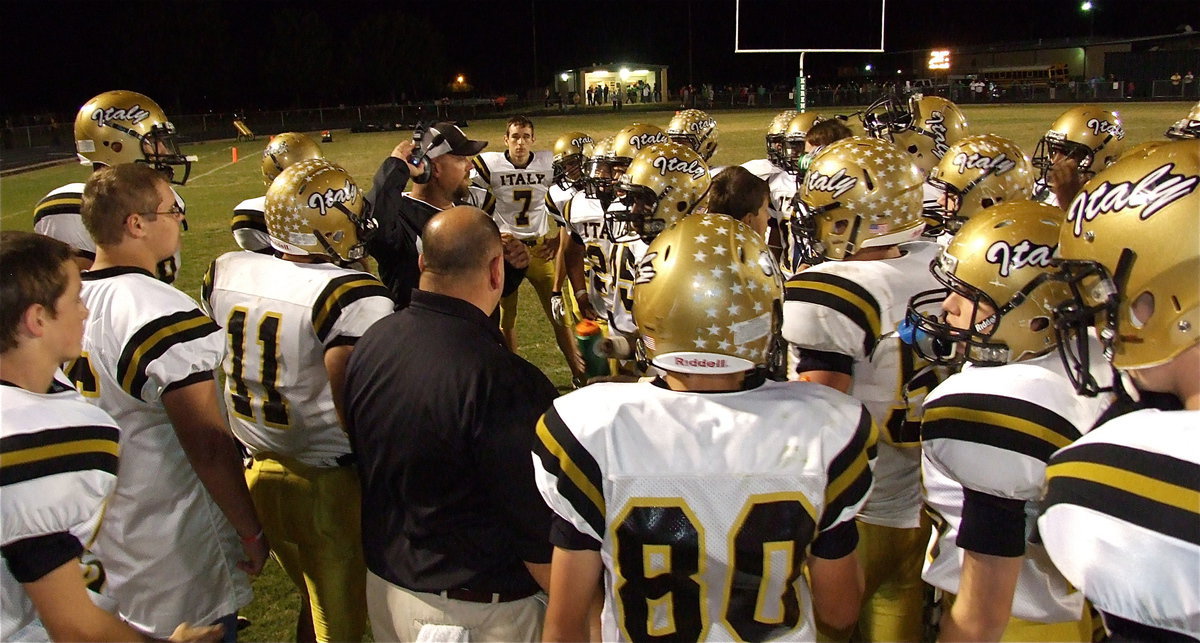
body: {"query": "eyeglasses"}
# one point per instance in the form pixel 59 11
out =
pixel 175 211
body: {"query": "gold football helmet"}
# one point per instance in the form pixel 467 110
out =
pixel 858 193
pixel 285 149
pixel 598 170
pixel 127 127
pixel 794 136
pixel 571 152
pixel 708 298
pixel 665 182
pixel 696 129
pixel 1188 126
pixel 775 132
pixel 1129 253
pixel 315 208
pixel 1001 258
pixel 923 126
pixel 979 172
pixel 1094 137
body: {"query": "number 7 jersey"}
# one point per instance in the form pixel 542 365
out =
pixel 705 505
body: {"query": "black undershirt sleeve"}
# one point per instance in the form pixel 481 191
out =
pixel 32 558
pixel 811 360
pixel 836 542
pixel 992 525
pixel 565 536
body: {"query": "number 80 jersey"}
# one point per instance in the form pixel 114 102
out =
pixel 705 505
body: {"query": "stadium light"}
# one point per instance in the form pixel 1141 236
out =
pixel 459 79
pixel 564 76
pixel 869 67
pixel 1086 6
pixel 624 73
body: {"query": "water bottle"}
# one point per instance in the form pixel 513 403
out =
pixel 587 337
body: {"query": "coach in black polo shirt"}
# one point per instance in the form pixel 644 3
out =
pixel 442 418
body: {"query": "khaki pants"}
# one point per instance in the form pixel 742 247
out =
pixel 397 614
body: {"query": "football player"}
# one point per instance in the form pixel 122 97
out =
pixel 802 143
pixel 180 532
pixel 698 500
pixel 989 429
pixel 773 170
pixel 1119 517
pixel 795 139
pixel 114 127
pixel 518 182
pixel 59 453
pixel 860 206
pixel 1188 126
pixel 284 376
pixel 1080 143
pixel 977 173
pixel 248 226
pixel 737 193
pixel 572 151
pixel 665 182
pixel 695 129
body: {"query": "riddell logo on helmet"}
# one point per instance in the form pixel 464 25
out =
pixel 638 141
pixel 134 115
pixel 1151 193
pixel 697 362
pixel 323 201
pixel 976 161
pixel 672 164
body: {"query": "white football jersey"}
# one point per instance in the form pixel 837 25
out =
pixel 280 317
pixel 852 308
pixel 705 504
pixel 624 261
pixel 992 429
pixel 57 216
pixel 518 195
pixel 585 217
pixel 559 197
pixel 1121 519
pixel 169 553
pixel 249 226
pixel 783 187
pixel 59 467
pixel 1043 193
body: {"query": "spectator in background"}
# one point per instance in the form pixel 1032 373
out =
pixel 442 417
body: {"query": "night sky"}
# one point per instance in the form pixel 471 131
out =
pixel 199 55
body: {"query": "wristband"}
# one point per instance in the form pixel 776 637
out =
pixel 252 539
pixel 578 292
pixel 556 293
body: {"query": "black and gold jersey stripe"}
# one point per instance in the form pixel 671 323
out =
pixel 489 203
pixel 842 295
pixel 58 203
pixel 248 219
pixel 48 452
pixel 338 294
pixel 998 421
pixel 849 474
pixel 1151 490
pixel 578 475
pixel 206 284
pixel 484 172
pixel 153 340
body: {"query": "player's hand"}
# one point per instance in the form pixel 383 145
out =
pixel 187 633
pixel 256 551
pixel 585 306
pixel 558 308
pixel 515 252
pixel 1065 180
pixel 548 250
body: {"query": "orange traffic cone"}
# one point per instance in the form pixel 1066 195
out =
pixel 235 155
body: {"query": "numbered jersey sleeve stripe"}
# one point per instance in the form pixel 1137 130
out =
pixel 338 295
pixel 1153 491
pixel 61 203
pixel 483 170
pixel 849 475
pixel 153 340
pixel 1001 422
pixel 206 286
pixel 842 295
pixel 489 203
pixel 578 476
pixel 248 220
pixel 48 452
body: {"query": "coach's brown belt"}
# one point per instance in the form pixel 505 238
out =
pixel 472 596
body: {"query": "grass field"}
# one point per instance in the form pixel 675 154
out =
pixel 217 185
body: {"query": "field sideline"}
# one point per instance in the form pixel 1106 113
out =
pixel 217 185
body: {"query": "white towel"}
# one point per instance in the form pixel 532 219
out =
pixel 432 633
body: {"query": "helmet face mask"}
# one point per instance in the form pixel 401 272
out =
pixel 1092 137
pixel 923 126
pixel 795 138
pixel 127 127
pixel 775 138
pixel 1186 127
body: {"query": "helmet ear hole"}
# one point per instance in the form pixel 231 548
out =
pixel 1039 324
pixel 1142 309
